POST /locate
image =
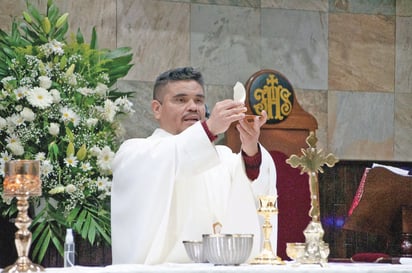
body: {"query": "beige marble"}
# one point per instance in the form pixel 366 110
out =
pixel 158 32
pixel 13 9
pixel 348 60
pixel 403 127
pixel 85 15
pixel 315 102
pixel 239 3
pixel 295 43
pixel 385 7
pixel 361 53
pixel 224 42
pixel 360 125
pixel 403 7
pixel 315 5
pixel 403 75
pixel 141 123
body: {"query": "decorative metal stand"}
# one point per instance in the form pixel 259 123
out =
pixel 311 162
pixel 267 210
pixel 22 180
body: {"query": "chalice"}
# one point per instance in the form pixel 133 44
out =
pixel 267 209
pixel 22 180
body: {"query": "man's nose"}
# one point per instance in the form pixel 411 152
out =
pixel 192 105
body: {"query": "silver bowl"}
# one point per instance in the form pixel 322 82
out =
pixel 194 250
pixel 227 249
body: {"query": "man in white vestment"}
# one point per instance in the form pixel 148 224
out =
pixel 176 184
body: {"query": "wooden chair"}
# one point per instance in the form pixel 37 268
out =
pixel 284 134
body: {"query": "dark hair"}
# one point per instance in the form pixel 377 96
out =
pixel 176 74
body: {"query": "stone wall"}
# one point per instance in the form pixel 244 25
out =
pixel 350 61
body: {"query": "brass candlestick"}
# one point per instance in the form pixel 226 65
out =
pixel 22 180
pixel 267 209
pixel 311 162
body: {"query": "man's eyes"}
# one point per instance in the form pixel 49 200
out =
pixel 184 100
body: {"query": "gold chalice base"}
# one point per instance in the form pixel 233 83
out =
pixel 23 266
pixel 267 257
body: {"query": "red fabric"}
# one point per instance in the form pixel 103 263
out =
pixel 369 257
pixel 211 136
pixel 293 203
pixel 252 164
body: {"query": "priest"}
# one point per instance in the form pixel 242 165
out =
pixel 177 184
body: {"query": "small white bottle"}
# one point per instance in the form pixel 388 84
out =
pixel 69 249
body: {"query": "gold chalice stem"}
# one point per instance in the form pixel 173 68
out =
pixel 23 239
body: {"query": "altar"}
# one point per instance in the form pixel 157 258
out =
pixel 203 268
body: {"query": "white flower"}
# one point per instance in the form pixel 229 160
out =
pixel 7 82
pixel 45 82
pixel 14 120
pixel 40 156
pixel 91 122
pixel 70 188
pixel 109 110
pixel 71 161
pixel 95 151
pixel 85 91
pixel 101 89
pixel 5 156
pixel 56 95
pixel 56 47
pixel 21 92
pixel 46 168
pixel 39 97
pixel 104 159
pixel 27 114
pixel 124 104
pixel 69 115
pixel 54 129
pixel 14 144
pixel 85 166
pixel 102 182
pixel 3 123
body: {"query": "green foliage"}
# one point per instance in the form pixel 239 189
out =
pixel 58 105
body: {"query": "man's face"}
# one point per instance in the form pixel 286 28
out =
pixel 181 104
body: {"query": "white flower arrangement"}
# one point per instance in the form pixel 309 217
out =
pixel 57 105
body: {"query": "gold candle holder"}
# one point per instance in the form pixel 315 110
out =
pixel 267 209
pixel 22 180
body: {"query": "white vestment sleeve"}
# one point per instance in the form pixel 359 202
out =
pixel 169 188
pixel 151 164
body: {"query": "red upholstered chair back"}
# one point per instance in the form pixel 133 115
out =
pixel 284 134
pixel 293 203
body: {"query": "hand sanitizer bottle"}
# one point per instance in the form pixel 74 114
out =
pixel 69 249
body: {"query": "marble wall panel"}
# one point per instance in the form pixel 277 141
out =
pixel 385 7
pixel 225 42
pixel 296 44
pixel 403 126
pixel 403 7
pixel 361 125
pixel 315 102
pixel 403 75
pixel 85 15
pixel 361 53
pixel 13 9
pixel 240 3
pixel 157 31
pixel 319 5
pixel 141 123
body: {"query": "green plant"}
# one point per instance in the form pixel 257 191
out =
pixel 58 105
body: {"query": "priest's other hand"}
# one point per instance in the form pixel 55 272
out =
pixel 223 114
pixel 249 130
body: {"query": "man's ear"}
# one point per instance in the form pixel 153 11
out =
pixel 156 108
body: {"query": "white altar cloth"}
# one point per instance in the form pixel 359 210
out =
pixel 204 268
